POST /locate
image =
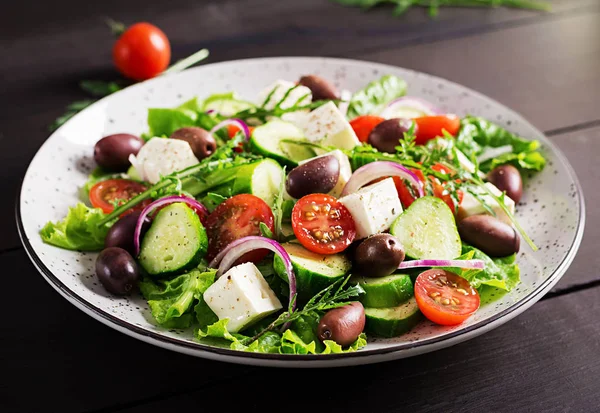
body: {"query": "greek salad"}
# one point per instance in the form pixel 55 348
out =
pixel 306 220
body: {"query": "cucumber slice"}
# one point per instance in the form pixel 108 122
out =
pixel 175 242
pixel 382 292
pixel 314 272
pixel 392 321
pixel 427 230
pixel 266 140
pixel 226 106
pixel 266 180
pixel 133 174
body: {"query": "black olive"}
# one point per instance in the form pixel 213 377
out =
pixel 342 325
pixel 121 233
pixel 490 235
pixel 319 175
pixel 379 255
pixel 320 88
pixel 387 135
pixel 117 271
pixel 507 178
pixel 112 152
pixel 203 144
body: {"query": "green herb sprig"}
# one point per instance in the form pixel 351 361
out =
pixel 433 6
pixel 336 295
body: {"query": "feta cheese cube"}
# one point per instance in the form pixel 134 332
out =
pixel 345 170
pixel 160 157
pixel 243 296
pixel 374 207
pixel 471 206
pixel 301 95
pixel 328 126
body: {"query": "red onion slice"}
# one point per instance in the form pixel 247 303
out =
pixel 368 173
pixel 230 254
pixel 467 264
pixel 411 104
pixel 237 122
pixel 157 204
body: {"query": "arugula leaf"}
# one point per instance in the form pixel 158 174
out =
pixel 99 88
pixel 171 301
pixel 80 230
pixel 212 200
pixel 265 231
pixel 500 273
pixel 375 95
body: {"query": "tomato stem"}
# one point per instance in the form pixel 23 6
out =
pixel 117 28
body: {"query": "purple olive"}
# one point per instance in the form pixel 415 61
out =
pixel 203 144
pixel 117 271
pixel 490 235
pixel 388 134
pixel 342 325
pixel 121 233
pixel 379 255
pixel 320 88
pixel 319 175
pixel 507 178
pixel 112 152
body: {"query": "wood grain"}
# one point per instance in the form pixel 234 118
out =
pixel 548 71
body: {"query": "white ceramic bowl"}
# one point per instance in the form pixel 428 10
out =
pixel 551 211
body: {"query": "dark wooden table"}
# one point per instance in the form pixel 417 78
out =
pixel 54 358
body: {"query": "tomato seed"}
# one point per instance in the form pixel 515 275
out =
pixel 446 301
pixel 434 294
pixel 455 301
pixel 462 291
pixel 315 208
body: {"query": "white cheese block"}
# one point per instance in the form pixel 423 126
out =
pixel 345 170
pixel 243 296
pixel 471 206
pixel 374 207
pixel 301 95
pixel 161 157
pixel 328 126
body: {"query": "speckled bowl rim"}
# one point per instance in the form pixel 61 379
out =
pixel 326 360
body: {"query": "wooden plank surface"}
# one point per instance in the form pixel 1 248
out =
pixel 541 361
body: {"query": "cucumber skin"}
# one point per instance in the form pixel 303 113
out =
pixel 283 161
pixel 391 328
pixel 391 294
pixel 194 261
pixel 308 283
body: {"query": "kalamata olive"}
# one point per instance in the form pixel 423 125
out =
pixel 387 135
pixel 320 88
pixel 343 324
pixel 317 176
pixel 507 178
pixel 121 233
pixel 490 235
pixel 203 144
pixel 112 152
pixel 379 255
pixel 117 270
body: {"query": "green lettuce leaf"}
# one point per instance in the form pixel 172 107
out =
pixel 375 95
pixel 333 347
pixel 78 231
pixel 163 122
pixel 172 301
pixel 476 134
pixel 502 273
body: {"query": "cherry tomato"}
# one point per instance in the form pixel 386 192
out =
pixel 232 130
pixel 444 297
pixel 363 125
pixel 322 224
pixel 429 127
pixel 142 52
pixel 106 194
pixel 239 216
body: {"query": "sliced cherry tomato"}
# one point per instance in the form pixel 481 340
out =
pixel 444 297
pixel 429 127
pixel 322 224
pixel 363 125
pixel 106 194
pixel 238 217
pixel 142 52
pixel 232 130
